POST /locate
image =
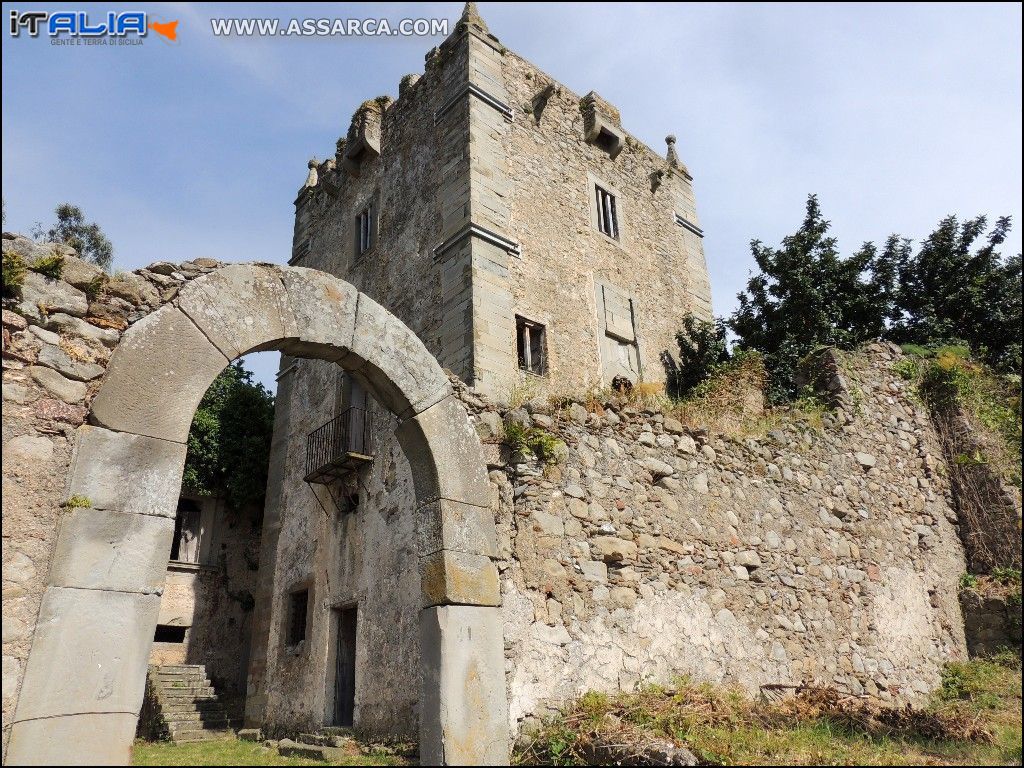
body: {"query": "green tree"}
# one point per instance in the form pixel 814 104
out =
pixel 86 238
pixel 806 295
pixel 229 442
pixel 952 290
pixel 702 349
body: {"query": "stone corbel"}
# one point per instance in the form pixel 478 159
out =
pixel 601 125
pixel 362 144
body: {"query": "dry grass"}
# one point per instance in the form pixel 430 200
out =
pixel 974 719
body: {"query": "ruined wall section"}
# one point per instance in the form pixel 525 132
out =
pixel 57 339
pixel 819 553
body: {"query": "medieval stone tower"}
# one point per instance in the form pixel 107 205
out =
pixel 516 227
pixel 531 243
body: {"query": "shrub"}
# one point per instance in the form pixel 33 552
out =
pixel 51 265
pixel 13 274
pixel 702 350
pixel 545 446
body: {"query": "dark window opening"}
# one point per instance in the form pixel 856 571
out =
pixel 607 215
pixel 364 231
pixel 605 141
pixel 297 617
pixel 168 634
pixel 187 532
pixel 531 345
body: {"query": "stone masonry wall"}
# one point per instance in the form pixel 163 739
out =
pixel 821 554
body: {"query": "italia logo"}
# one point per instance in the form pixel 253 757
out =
pixel 82 24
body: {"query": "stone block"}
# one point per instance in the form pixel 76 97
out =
pixel 393 362
pixel 97 549
pixel 323 310
pixel 54 357
pixel 52 295
pixel 445 456
pixel 65 389
pixel 613 549
pixel 86 739
pixel 241 308
pixel 464 709
pixel 456 526
pixel 127 473
pixel 89 653
pixel 76 326
pixel 458 578
pixel 157 376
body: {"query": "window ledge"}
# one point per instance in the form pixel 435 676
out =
pixel 181 566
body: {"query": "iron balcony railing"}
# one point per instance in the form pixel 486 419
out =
pixel 339 447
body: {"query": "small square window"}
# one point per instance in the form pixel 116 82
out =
pixel 607 214
pixel 165 633
pixel 298 602
pixel 365 231
pixel 531 344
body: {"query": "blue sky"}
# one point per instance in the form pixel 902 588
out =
pixel 895 115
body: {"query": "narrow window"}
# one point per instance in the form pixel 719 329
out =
pixel 364 231
pixel 297 616
pixel 187 532
pixel 531 344
pixel 165 633
pixel 607 216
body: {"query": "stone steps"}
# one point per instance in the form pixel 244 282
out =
pixel 188 704
pixel 328 744
pixel 289 748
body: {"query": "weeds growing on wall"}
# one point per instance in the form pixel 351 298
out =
pixel 13 274
pixel 51 265
pixel 534 440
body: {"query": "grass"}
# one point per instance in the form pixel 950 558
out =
pixel 234 752
pixel 973 719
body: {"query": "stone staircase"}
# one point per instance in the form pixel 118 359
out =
pixel 187 704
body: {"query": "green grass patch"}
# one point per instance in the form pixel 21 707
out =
pixel 235 752
pixel 973 719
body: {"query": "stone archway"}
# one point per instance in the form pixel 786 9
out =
pixel 85 675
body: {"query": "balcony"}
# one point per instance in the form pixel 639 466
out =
pixel 339 448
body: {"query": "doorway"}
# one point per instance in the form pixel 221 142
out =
pixel 345 667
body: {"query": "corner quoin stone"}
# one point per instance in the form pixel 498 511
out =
pixel 157 376
pixel 463 704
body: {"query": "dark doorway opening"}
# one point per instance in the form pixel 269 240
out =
pixel 345 668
